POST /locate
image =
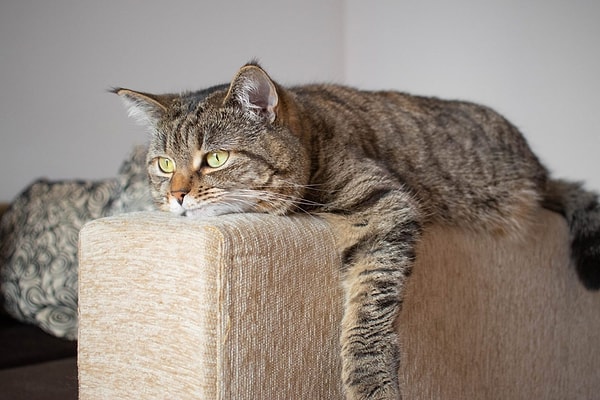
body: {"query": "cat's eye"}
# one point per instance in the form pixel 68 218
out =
pixel 166 165
pixel 215 159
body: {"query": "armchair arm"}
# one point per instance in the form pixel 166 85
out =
pixel 242 306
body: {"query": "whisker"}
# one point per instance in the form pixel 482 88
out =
pixel 314 187
pixel 277 200
pixel 288 199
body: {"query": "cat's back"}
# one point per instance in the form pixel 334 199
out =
pixel 409 124
pixel 445 150
pixel 326 98
pixel 393 109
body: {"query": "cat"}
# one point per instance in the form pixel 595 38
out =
pixel 382 165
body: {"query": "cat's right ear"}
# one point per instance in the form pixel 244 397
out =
pixel 255 92
pixel 145 108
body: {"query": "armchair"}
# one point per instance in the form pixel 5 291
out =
pixel 248 306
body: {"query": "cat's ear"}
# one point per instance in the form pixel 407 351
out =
pixel 255 92
pixel 145 108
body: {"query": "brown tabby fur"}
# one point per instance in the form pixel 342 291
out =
pixel 384 165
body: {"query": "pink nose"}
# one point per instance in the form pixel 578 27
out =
pixel 179 195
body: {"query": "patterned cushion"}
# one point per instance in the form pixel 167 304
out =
pixel 38 242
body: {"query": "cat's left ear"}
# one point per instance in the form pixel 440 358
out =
pixel 145 108
pixel 255 92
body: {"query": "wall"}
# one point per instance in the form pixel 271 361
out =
pixel 534 61
pixel 537 62
pixel 59 58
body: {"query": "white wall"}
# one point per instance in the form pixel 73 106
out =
pixel 536 61
pixel 59 57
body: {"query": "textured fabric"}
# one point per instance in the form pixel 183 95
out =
pixel 248 307
pixel 38 251
pixel 38 242
pixel 220 308
pixel 500 318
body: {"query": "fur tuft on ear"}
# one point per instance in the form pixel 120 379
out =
pixel 254 91
pixel 145 108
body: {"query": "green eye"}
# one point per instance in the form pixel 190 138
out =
pixel 166 165
pixel 216 159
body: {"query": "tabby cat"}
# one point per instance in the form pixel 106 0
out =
pixel 382 165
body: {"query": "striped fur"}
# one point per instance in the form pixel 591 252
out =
pixel 382 165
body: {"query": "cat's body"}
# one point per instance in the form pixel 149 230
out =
pixel 384 165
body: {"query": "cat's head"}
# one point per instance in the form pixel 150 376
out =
pixel 223 150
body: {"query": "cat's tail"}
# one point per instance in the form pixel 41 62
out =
pixel 582 212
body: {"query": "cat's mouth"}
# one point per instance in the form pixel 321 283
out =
pixel 240 201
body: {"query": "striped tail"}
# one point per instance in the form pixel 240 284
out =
pixel 582 212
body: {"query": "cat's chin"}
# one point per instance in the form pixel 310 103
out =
pixel 207 212
pixel 199 214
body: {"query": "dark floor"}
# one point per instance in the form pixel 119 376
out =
pixel 35 365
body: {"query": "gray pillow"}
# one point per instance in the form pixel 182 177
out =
pixel 38 242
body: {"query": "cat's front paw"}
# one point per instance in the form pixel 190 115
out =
pixel 385 392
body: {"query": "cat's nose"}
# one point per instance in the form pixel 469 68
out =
pixel 179 195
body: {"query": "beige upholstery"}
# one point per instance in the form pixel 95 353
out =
pixel 248 307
